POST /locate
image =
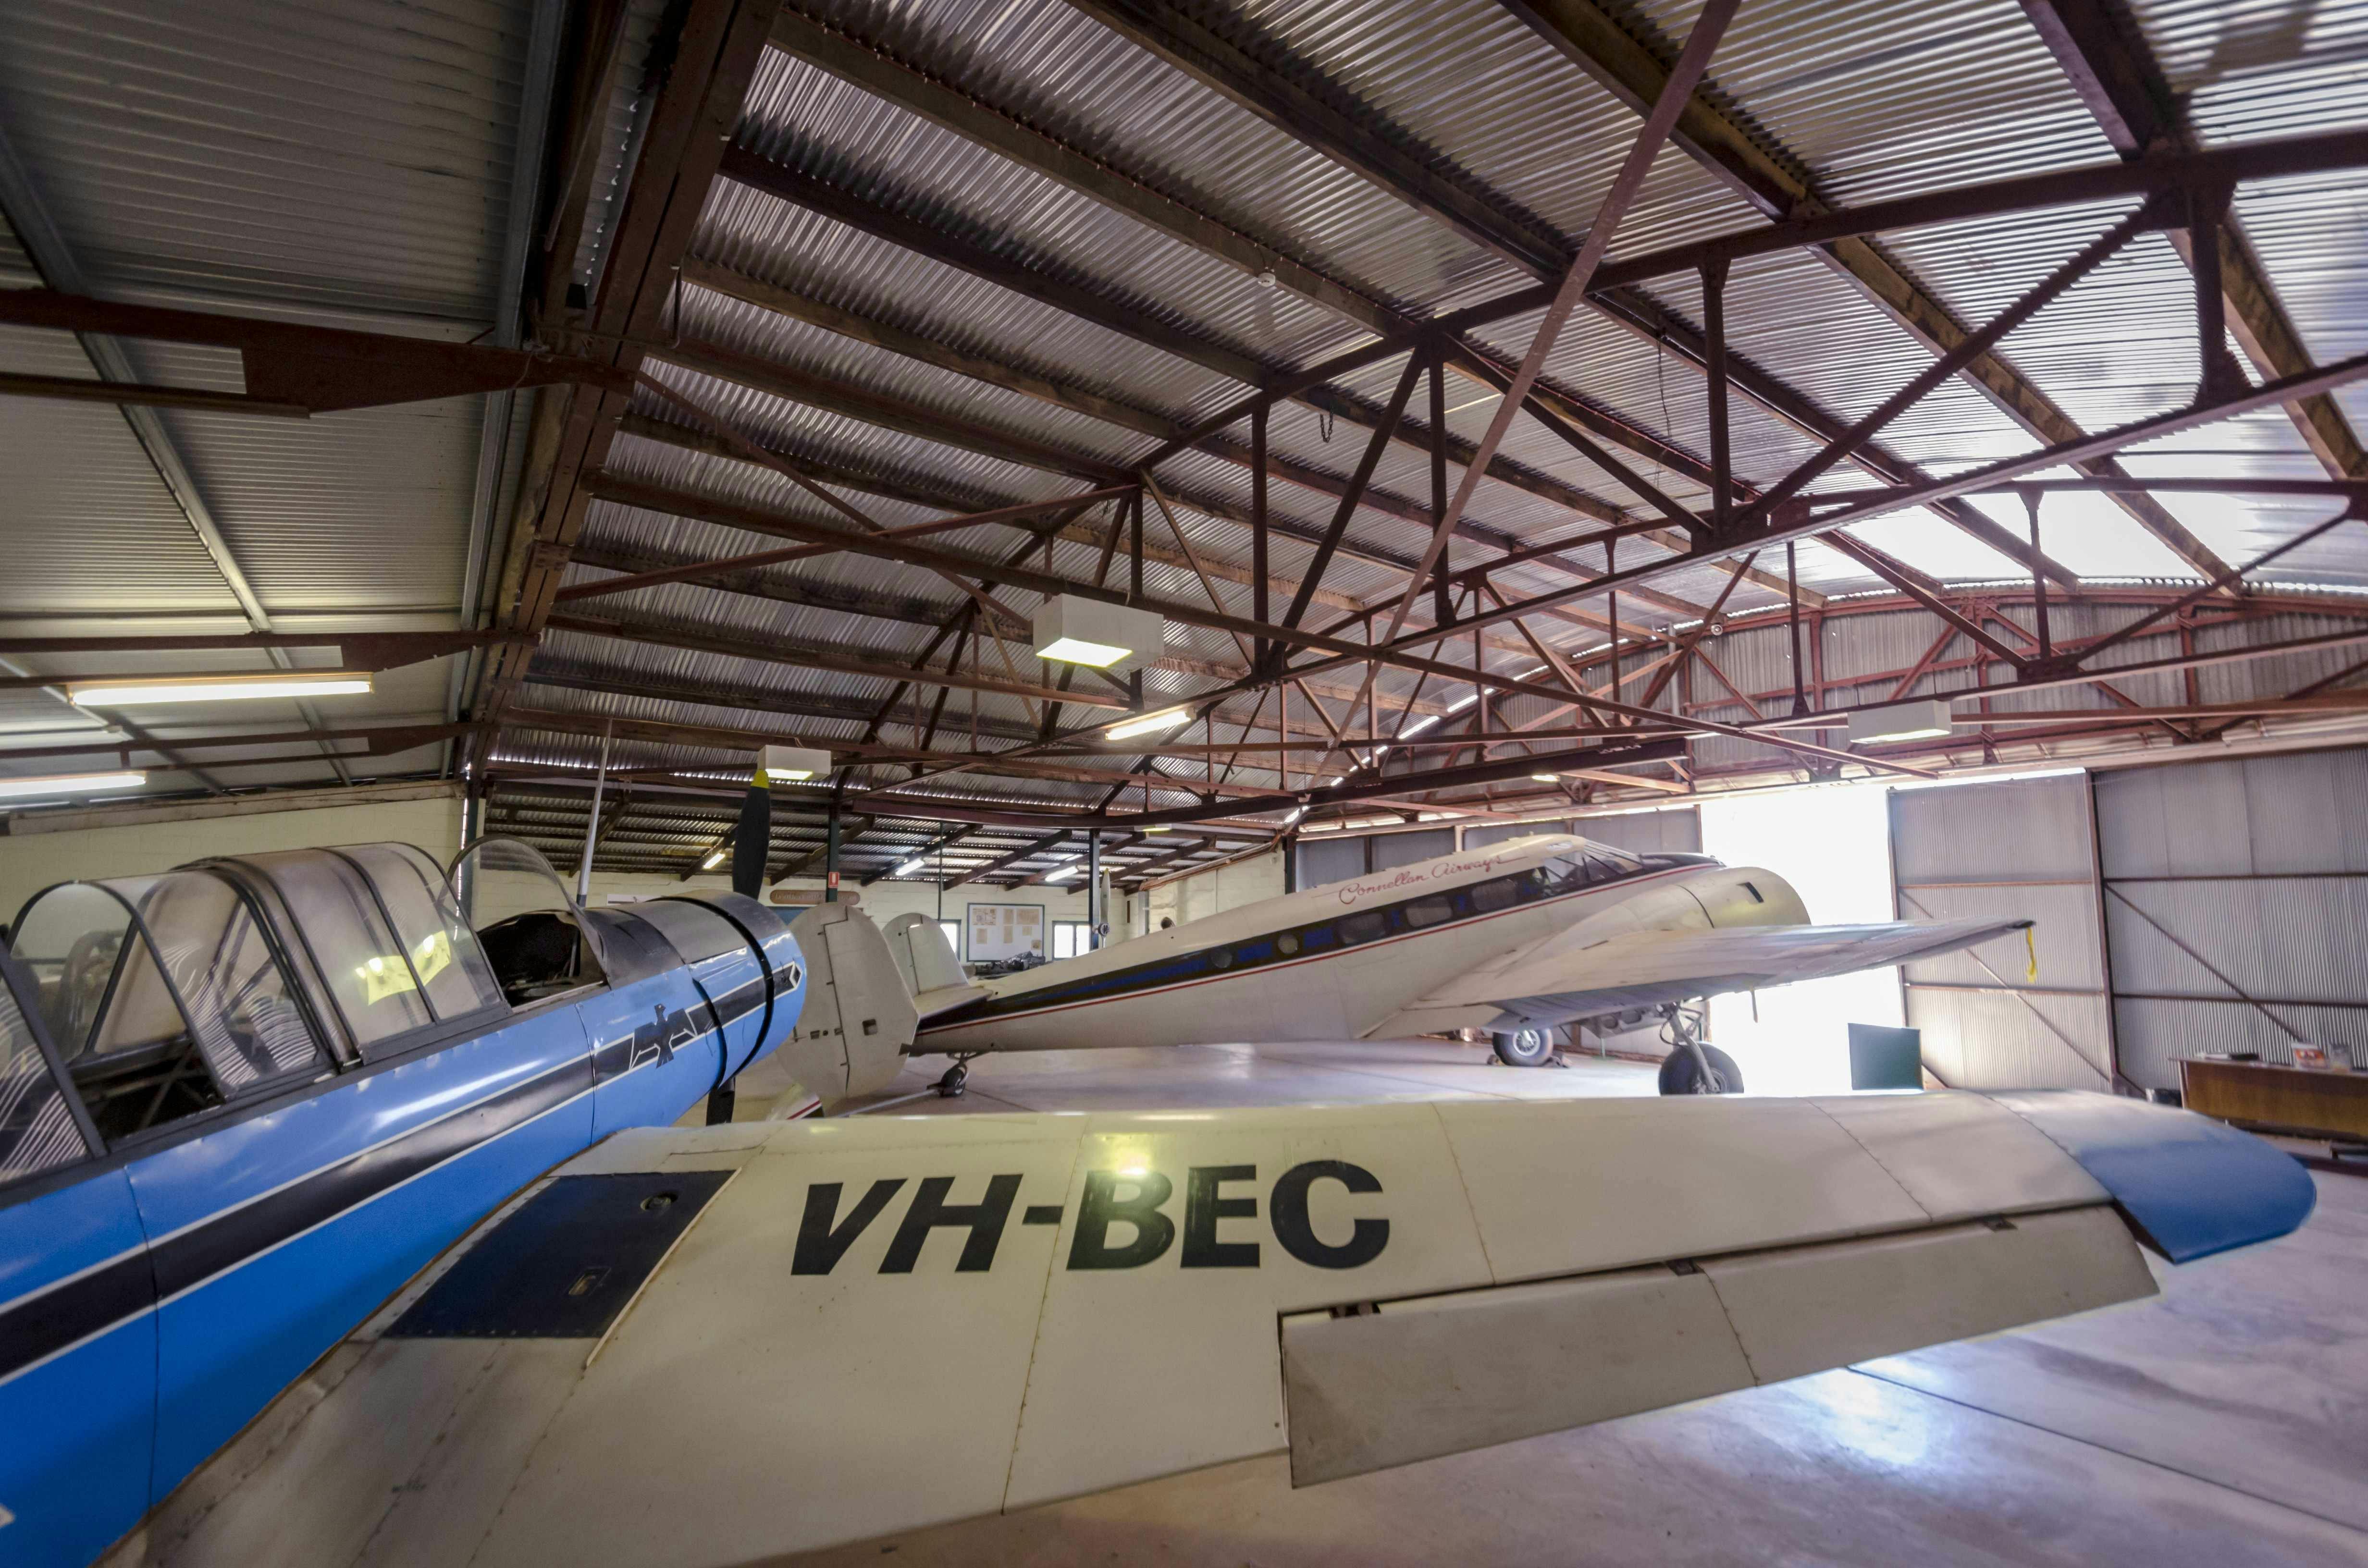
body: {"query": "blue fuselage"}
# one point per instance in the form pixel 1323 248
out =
pixel 153 1300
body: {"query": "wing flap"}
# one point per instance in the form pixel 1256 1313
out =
pixel 1415 1380
pixel 1577 974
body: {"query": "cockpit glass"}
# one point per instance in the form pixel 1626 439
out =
pixel 36 1125
pixel 530 929
pixel 368 970
pixel 442 949
pixel 71 937
pixel 241 1007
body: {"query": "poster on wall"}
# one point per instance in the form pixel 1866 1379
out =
pixel 1004 931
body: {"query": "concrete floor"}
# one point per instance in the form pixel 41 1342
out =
pixel 2224 1422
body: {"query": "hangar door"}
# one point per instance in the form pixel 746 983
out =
pixel 1997 851
pixel 2236 907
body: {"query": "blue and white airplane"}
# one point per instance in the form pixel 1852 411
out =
pixel 242 1102
pixel 345 1218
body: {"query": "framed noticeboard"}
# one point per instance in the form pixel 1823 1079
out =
pixel 992 931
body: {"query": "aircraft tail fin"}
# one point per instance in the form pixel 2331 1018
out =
pixel 923 955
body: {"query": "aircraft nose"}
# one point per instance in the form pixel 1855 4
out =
pixel 2191 1186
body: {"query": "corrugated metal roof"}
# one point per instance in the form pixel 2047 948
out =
pixel 358 156
pixel 355 152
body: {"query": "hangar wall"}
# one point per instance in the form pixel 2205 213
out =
pixel 1205 893
pixel 2236 897
pixel 43 848
pixel 2015 847
pixel 2213 905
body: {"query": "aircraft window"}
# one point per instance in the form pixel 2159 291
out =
pixel 128 1051
pixel 443 950
pixel 368 972
pixel 1287 944
pixel 241 1009
pixel 1222 958
pixel 1425 912
pixel 1362 927
pixel 1497 892
pixel 37 1125
pixel 526 921
pixel 71 937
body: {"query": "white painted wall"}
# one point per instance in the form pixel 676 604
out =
pixel 41 849
pixel 1205 893
pixel 883 901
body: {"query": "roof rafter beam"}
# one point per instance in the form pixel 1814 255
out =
pixel 2102 51
pixel 1587 35
pixel 1486 218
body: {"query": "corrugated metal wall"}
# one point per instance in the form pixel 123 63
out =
pixel 2235 907
pixel 2022 847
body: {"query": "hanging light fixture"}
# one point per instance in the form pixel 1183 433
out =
pixel 1106 636
pixel 795 763
pixel 1917 720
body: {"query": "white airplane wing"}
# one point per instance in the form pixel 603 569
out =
pixel 1581 974
pixel 713 1345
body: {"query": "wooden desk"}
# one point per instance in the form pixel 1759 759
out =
pixel 2281 1099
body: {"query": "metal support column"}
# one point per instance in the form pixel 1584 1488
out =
pixel 1722 480
pixel 1093 891
pixel 830 845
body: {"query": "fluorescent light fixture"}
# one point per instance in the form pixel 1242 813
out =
pixel 215 689
pixel 69 784
pixel 1106 636
pixel 1547 777
pixel 1419 725
pixel 1460 703
pixel 1918 721
pixel 794 763
pixel 909 866
pixel 1063 875
pixel 1161 827
pixel 714 860
pixel 1149 723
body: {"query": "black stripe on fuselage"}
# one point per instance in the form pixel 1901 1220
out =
pixel 223 1242
pixel 51 1319
pixel 46 1324
pixel 1184 969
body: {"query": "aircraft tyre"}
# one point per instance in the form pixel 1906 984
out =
pixel 1680 1076
pixel 1531 1047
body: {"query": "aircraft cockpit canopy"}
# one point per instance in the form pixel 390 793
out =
pixel 167 995
pixel 1587 866
pixel 537 941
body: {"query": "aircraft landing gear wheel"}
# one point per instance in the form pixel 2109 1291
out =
pixel 1524 1048
pixel 956 1079
pixel 1682 1075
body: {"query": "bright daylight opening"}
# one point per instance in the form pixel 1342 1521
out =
pixel 1833 844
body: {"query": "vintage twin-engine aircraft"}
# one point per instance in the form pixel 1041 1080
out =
pixel 340 1221
pixel 1514 940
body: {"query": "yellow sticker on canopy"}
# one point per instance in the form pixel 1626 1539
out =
pixel 382 978
pixel 432 955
